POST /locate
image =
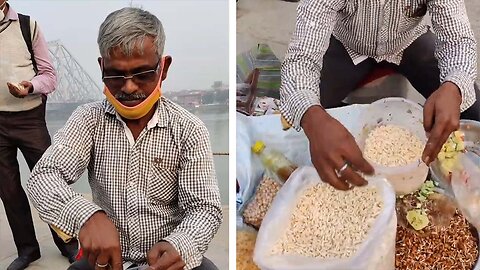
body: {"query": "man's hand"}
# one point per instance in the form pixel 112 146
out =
pixel 100 242
pixel 21 90
pixel 441 116
pixel 331 146
pixel 163 256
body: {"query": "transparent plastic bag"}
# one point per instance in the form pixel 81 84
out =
pixel 377 251
pixel 256 208
pixel 466 188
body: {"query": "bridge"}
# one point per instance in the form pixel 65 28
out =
pixel 74 84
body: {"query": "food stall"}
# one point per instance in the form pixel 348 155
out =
pixel 405 218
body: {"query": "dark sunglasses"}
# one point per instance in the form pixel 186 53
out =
pixel 140 78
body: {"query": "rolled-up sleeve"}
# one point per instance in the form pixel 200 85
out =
pixel 46 80
pixel 63 163
pixel 304 58
pixel 456 47
pixel 199 197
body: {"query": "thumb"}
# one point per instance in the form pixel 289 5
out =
pixel 428 115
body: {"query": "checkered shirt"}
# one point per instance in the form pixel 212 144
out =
pixel 380 29
pixel 161 187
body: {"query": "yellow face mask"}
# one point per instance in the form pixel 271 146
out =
pixel 140 110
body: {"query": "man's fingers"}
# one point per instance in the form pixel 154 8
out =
pixel 92 258
pixel 102 261
pixel 327 174
pixel 165 261
pixel 116 260
pixel 153 255
pixel 428 115
pixel 177 266
pixel 354 155
pixel 434 143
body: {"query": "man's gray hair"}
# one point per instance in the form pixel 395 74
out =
pixel 127 28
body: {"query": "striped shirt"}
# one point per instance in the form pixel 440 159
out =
pixel 379 29
pixel 160 187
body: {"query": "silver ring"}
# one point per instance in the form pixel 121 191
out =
pixel 342 169
pixel 102 265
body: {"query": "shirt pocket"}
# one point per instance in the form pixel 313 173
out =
pixel 162 185
pixel 414 9
pixel 412 13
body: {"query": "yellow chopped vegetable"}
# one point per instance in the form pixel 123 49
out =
pixel 417 219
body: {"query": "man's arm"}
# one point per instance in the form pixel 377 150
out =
pixel 46 79
pixel 304 58
pixel 199 197
pixel 456 47
pixel 64 162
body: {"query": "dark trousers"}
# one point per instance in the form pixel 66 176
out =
pixel 28 132
pixel 340 77
pixel 83 265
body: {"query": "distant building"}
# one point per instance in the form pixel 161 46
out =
pixel 194 98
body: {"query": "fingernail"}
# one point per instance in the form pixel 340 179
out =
pixel 426 160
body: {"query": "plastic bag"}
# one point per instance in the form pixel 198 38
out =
pixel 376 252
pixel 256 209
pixel 466 188
pixel 269 129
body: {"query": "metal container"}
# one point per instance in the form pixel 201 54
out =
pixel 472 144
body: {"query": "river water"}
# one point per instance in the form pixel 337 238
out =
pixel 215 120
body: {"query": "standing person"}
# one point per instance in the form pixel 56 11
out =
pixel 24 81
pixel 149 161
pixel 338 42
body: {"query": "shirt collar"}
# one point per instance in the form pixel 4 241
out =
pixel 12 15
pixel 159 118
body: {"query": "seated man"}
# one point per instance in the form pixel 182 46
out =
pixel 337 43
pixel 150 165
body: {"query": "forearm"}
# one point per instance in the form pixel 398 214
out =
pixel 45 81
pixel 57 203
pixel 192 237
pixel 62 164
pixel 456 47
pixel 304 59
pixel 199 198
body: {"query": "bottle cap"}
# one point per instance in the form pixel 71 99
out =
pixel 258 147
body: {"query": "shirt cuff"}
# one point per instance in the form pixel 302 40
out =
pixel 466 86
pixel 295 107
pixel 75 213
pixel 185 246
pixel 36 86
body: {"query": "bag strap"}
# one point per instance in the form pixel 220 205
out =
pixel 27 36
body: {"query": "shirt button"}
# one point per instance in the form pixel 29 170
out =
pixel 132 184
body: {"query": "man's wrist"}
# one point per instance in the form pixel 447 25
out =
pixel 452 87
pixel 312 117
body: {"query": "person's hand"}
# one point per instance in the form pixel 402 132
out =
pixel 163 256
pixel 20 91
pixel 441 116
pixel 100 243
pixel 331 147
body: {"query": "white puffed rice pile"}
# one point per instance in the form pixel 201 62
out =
pixel 392 146
pixel 328 223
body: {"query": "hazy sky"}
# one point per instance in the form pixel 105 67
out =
pixel 196 34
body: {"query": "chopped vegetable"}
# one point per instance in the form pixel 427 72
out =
pixel 418 219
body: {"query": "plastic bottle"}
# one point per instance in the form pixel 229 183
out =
pixel 274 161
